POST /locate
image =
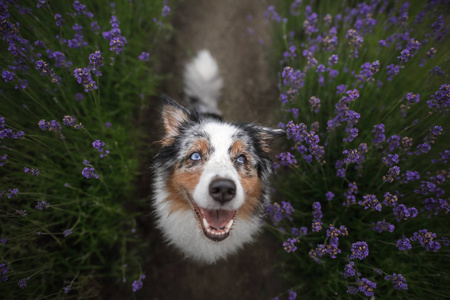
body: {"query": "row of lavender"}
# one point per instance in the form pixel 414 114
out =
pixel 72 80
pixel 365 104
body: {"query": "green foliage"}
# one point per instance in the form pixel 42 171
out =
pixel 102 245
pixel 381 101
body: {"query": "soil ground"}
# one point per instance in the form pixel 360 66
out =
pixel 249 95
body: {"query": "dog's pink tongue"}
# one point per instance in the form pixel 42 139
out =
pixel 218 218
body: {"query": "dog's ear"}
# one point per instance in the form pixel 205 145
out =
pixel 266 135
pixel 173 115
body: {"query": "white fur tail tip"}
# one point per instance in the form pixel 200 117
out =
pixel 202 83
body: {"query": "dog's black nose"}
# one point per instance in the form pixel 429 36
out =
pixel 222 190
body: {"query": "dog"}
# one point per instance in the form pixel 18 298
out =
pixel 211 176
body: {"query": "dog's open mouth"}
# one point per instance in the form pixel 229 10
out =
pixel 216 223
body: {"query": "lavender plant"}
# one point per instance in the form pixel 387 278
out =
pixel 365 101
pixel 72 81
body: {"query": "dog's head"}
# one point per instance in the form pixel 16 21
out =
pixel 217 170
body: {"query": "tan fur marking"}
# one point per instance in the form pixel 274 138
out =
pixel 180 182
pixel 252 189
pixel 185 180
pixel 238 147
pixel 201 145
pixel 250 181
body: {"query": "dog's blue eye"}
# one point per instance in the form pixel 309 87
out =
pixel 196 156
pixel 241 159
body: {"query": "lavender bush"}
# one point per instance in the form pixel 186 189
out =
pixel 73 77
pixel 365 101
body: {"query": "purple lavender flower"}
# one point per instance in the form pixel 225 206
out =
pixel 32 171
pixel 381 226
pixel 351 156
pixel 392 173
pixel 334 232
pixel 67 232
pixel 89 170
pixel 390 159
pixel 289 245
pixel 426 240
pixel 315 104
pixel 393 142
pixel 437 205
pixel 6 133
pixel 41 3
pixel 8 76
pixel 293 78
pixel 78 40
pixel 144 56
pixel 352 290
pixel 393 70
pixel 96 61
pixel 23 283
pixel 340 89
pixel 12 193
pixel 401 212
pixel 350 194
pixel 277 213
pixel 108 125
pixel 412 98
pixel 367 72
pixel 71 121
pixel 67 289
pixel 81 9
pixel 329 195
pixel 378 134
pixel 409 51
pixel 437 71
pixel 59 20
pixel 355 40
pixel 409 176
pixel 21 212
pixel 59 58
pixel 370 201
pixel 292 295
pixel 83 76
pixel 116 40
pixel 349 270
pixel 287 159
pixel 317 217
pixel 366 287
pixel 360 250
pixel 137 284
pixel 299 231
pixel 41 205
pixel 4 269
pixel 398 280
pixel 79 96
pixel 333 60
pixel 95 27
pixel 53 125
pixel 165 10
pixel 440 101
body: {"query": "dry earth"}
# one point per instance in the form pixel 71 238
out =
pixel 249 95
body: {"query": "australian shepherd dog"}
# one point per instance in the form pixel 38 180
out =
pixel 211 176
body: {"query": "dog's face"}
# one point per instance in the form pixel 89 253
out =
pixel 216 170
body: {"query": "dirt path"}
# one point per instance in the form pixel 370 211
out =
pixel 250 95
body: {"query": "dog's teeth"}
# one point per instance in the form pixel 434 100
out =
pixel 205 223
pixel 229 224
